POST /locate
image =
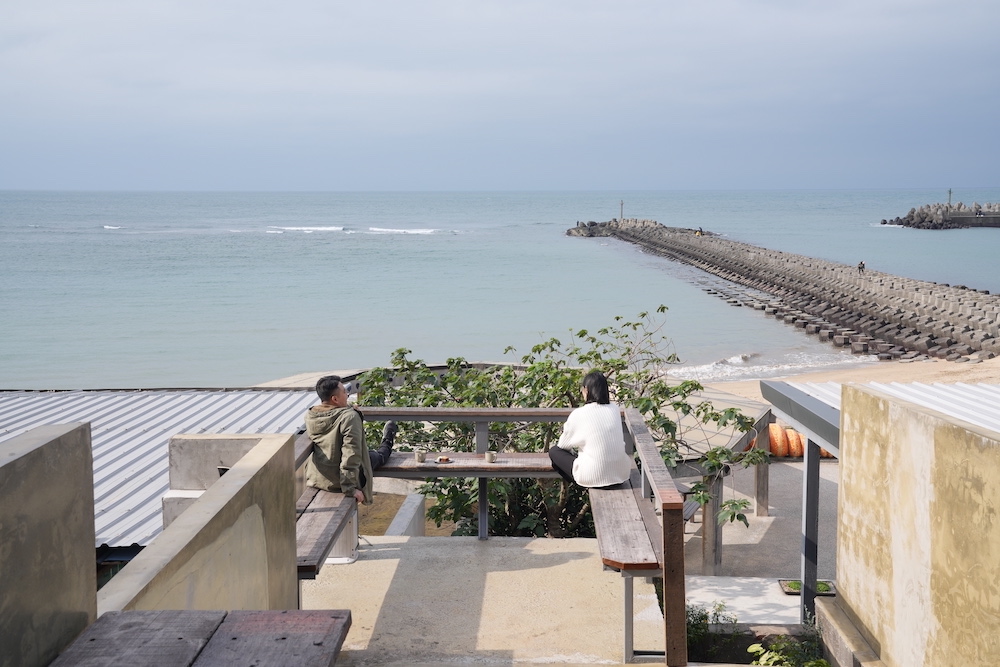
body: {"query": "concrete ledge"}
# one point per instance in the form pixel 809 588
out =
pixel 844 643
pixel 234 548
pixel 176 501
pixel 411 519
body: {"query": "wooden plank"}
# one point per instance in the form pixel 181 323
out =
pixel 659 477
pixel 168 638
pixel 317 529
pixel 278 638
pixel 303 502
pixel 468 464
pixel 466 414
pixel 648 514
pixel 303 449
pixel 621 532
pixel 674 595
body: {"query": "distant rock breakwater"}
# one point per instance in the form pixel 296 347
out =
pixel 946 216
pixel 869 311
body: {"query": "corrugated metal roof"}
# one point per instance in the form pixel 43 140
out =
pixel 977 404
pixel 130 431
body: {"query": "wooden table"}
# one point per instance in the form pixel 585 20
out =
pixel 186 638
pixel 469 464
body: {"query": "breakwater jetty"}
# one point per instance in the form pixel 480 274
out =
pixel 869 311
pixel 946 216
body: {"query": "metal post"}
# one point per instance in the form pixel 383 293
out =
pixel 629 639
pixel 483 444
pixel 810 530
pixel 762 479
pixel 711 531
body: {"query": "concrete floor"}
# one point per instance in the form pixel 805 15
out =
pixel 500 601
pixel 460 601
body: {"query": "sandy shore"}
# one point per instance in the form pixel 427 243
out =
pixel 987 372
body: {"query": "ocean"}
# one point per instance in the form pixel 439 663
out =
pixel 207 289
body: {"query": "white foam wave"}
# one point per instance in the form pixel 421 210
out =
pixel 111 227
pixel 744 366
pixel 308 230
pixel 275 231
pixel 388 230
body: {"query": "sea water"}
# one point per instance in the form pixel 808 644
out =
pixel 231 289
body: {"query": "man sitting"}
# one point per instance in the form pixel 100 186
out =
pixel 340 459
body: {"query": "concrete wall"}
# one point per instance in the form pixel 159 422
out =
pixel 194 465
pixel 49 579
pixel 411 519
pixel 919 535
pixel 234 548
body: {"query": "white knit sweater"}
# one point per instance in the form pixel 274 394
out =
pixel 596 431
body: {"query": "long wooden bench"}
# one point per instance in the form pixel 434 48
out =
pixel 629 534
pixel 639 526
pixel 186 638
pixel 630 541
pixel 320 519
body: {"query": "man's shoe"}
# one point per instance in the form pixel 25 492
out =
pixel 389 431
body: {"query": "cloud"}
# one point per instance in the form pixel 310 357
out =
pixel 346 89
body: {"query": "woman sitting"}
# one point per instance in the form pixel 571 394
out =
pixel 595 431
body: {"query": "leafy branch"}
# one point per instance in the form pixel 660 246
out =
pixel 633 354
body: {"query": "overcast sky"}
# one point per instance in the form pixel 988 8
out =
pixel 491 95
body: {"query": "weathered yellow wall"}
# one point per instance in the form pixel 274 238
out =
pixel 918 553
pixel 234 548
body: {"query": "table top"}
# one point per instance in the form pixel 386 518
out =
pixel 468 464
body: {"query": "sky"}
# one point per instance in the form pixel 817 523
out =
pixel 498 95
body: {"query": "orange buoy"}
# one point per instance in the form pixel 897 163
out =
pixel 796 443
pixel 750 445
pixel 779 440
pixel 825 454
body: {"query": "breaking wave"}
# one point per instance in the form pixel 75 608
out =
pixel 753 366
pixel 308 230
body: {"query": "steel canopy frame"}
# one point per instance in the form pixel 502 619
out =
pixel 820 422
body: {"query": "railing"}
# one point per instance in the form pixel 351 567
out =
pixel 658 486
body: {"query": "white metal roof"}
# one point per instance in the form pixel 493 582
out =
pixel 977 404
pixel 130 431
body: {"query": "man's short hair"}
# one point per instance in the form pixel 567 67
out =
pixel 326 386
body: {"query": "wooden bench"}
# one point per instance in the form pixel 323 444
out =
pixel 320 519
pixel 210 639
pixel 640 533
pixel 630 540
pixel 691 507
pixel 629 535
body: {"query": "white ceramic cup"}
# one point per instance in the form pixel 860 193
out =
pixel 491 457
pixel 419 457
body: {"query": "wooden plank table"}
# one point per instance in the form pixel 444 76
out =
pixel 188 638
pixel 468 464
pixel 402 465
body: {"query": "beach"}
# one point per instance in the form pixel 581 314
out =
pixel 930 371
